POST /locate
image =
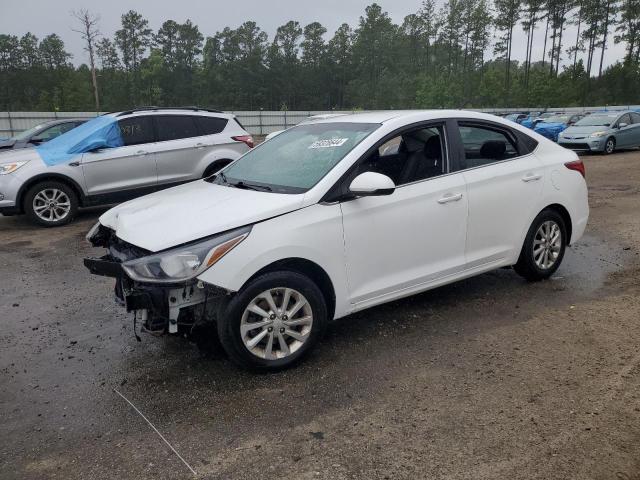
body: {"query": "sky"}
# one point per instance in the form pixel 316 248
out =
pixel 42 17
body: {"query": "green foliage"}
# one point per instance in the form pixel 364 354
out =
pixel 435 58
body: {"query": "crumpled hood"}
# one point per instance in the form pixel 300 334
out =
pixel 192 211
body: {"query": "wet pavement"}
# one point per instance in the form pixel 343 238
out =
pixel 490 377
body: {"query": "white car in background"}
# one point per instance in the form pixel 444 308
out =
pixel 325 220
pixel 143 150
pixel 310 119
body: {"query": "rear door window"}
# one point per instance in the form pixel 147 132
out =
pixel 485 145
pixel 635 118
pixel 210 125
pixel 136 130
pixel 175 127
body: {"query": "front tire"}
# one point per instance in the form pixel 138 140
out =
pixel 51 204
pixel 273 322
pixel 543 248
pixel 609 146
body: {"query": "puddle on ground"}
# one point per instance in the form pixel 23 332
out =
pixel 589 262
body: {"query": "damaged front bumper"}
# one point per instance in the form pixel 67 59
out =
pixel 161 308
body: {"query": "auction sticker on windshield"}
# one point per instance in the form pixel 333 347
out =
pixel 332 142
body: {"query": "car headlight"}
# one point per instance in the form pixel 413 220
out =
pixel 92 232
pixel 185 262
pixel 597 134
pixel 7 168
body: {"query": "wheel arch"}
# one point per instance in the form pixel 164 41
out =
pixel 564 213
pixel 615 143
pixel 308 268
pixel 57 177
pixel 210 169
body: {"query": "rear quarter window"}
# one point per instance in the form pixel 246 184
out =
pixel 526 144
pixel 210 125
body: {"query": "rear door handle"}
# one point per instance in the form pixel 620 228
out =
pixel 142 152
pixel 200 145
pixel 531 177
pixel 450 197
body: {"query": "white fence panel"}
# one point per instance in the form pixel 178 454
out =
pixel 258 122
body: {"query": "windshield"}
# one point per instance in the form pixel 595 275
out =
pixel 99 132
pixel 596 121
pixel 28 133
pixel 297 159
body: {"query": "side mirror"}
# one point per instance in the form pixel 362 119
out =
pixel 622 125
pixel 371 184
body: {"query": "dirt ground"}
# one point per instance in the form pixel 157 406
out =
pixel 487 378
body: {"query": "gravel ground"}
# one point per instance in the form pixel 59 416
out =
pixel 488 378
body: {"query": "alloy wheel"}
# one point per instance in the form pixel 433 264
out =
pixel 276 323
pixel 51 205
pixel 609 146
pixel 547 243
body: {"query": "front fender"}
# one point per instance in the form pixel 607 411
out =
pixel 313 233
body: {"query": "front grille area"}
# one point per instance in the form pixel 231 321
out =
pixel 118 249
pixel 575 146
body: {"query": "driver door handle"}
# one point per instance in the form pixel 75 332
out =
pixel 142 152
pixel 531 177
pixel 450 197
pixel 200 145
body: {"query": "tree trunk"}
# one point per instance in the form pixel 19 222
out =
pixel 546 35
pixel 552 51
pixel 94 80
pixel 560 42
pixel 575 53
pixel 604 36
pixel 510 38
pixel 526 55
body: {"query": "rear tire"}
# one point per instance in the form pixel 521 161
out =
pixel 273 322
pixel 543 248
pixel 51 204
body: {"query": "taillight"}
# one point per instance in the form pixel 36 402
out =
pixel 246 139
pixel 576 165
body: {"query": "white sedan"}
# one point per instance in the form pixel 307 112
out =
pixel 338 215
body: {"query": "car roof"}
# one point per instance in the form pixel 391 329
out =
pixel 387 115
pixel 170 111
pixel 63 120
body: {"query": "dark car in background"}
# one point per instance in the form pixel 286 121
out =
pixel 40 134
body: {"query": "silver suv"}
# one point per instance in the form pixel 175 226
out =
pixel 116 157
